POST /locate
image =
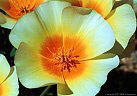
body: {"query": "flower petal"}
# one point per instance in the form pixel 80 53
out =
pixel 35 26
pixel 9 22
pixel 123 22
pixel 63 89
pixel 4 68
pixel 92 28
pixel 2 19
pixel 89 83
pixel 66 95
pixel 30 70
pixel 103 7
pixel 17 8
pixel 10 86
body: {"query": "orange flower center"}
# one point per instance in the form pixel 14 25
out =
pixel 63 56
pixel 1 91
pixel 66 60
pixel 17 8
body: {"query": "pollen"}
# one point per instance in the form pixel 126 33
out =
pixel 66 60
pixel 63 56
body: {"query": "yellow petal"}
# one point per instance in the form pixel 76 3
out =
pixel 46 55
pixel 97 33
pixel 30 71
pixel 63 89
pixel 103 7
pixel 41 24
pixel 66 95
pixel 94 76
pixel 123 22
pixel 10 87
pixel 4 68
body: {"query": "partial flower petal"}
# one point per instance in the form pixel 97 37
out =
pixel 26 29
pixel 10 87
pixel 123 22
pixel 36 25
pixel 103 7
pixel 30 70
pixel 89 83
pixel 63 89
pixel 9 22
pixel 92 27
pixel 4 68
pixel 17 8
pixel 2 19
pixel 52 17
pixel 66 95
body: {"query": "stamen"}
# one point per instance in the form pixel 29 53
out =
pixel 66 60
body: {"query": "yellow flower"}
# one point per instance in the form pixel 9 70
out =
pixel 122 18
pixel 8 79
pixel 16 9
pixel 61 46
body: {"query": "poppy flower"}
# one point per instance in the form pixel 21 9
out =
pixel 8 79
pixel 61 46
pixel 122 18
pixel 15 9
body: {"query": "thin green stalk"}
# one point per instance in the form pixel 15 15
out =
pixel 45 91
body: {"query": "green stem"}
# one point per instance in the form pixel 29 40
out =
pixel 13 52
pixel 45 91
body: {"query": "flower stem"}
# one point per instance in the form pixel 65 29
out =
pixel 45 91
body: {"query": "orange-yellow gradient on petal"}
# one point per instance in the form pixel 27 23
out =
pixel 1 90
pixel 17 8
pixel 8 79
pixel 61 57
pixel 103 7
pixel 4 89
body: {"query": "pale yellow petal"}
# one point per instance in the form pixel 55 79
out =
pixel 94 76
pixel 123 22
pixel 30 71
pixel 4 68
pixel 10 87
pixel 91 29
pixel 44 21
